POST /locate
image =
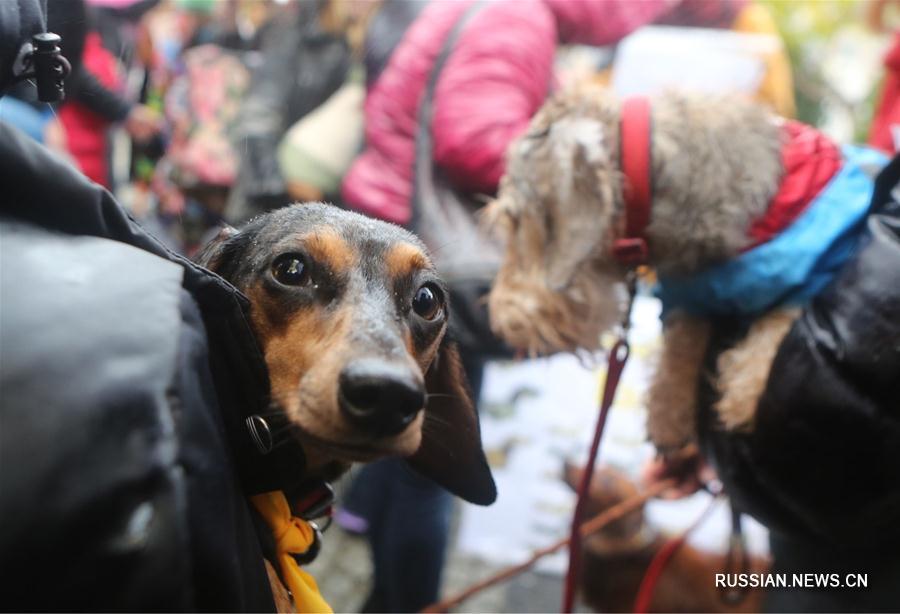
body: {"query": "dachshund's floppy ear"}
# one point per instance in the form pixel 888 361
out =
pixel 451 452
pixel 211 255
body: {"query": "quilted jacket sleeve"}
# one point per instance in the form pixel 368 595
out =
pixel 502 70
pixel 495 80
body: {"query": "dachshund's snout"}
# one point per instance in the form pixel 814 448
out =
pixel 380 398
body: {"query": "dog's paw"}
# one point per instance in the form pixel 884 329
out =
pixel 744 369
pixel 672 397
pixel 671 422
pixel 685 466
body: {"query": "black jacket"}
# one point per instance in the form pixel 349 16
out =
pixel 821 468
pixel 126 373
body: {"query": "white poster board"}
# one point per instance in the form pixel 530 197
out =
pixel 657 58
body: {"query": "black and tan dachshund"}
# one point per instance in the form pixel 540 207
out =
pixel 352 319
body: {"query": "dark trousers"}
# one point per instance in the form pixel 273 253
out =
pixel 409 525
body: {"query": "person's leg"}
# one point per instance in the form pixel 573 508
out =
pixel 409 521
pixel 361 501
pixel 369 498
pixel 412 545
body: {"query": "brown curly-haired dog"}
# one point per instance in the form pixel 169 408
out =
pixel 616 558
pixel 716 164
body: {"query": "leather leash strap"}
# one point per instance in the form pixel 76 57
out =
pixel 618 356
pixel 631 251
pixel 658 564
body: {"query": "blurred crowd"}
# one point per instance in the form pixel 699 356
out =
pixel 175 79
pixel 197 112
pixel 202 112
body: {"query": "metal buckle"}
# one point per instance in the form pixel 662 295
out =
pixel 260 434
pixel 315 547
pixel 316 503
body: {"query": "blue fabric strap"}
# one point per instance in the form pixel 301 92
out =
pixel 795 265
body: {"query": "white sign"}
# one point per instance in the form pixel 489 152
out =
pixel 657 58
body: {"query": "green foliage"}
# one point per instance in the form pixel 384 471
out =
pixel 808 28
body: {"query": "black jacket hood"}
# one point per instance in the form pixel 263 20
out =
pixel 19 21
pixel 43 189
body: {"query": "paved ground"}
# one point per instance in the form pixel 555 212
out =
pixel 343 570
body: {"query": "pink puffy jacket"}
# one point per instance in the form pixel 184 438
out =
pixel 496 78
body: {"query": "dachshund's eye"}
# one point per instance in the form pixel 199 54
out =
pixel 290 270
pixel 428 301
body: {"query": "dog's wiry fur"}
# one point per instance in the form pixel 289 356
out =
pixel 672 394
pixel 716 164
pixel 744 369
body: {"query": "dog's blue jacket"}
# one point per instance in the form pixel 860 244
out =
pixel 794 266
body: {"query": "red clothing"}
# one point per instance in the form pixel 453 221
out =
pixel 810 159
pixel 86 132
pixel 888 112
pixel 494 81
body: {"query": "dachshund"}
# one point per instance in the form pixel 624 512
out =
pixel 352 318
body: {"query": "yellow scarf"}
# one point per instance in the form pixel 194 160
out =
pixel 292 536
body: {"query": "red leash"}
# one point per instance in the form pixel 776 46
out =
pixel 631 251
pixel 662 558
pixel 618 356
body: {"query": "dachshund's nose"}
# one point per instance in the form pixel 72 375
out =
pixel 379 397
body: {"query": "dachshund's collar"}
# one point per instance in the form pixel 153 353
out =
pixel 271 457
pixel 311 498
pixel 635 156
